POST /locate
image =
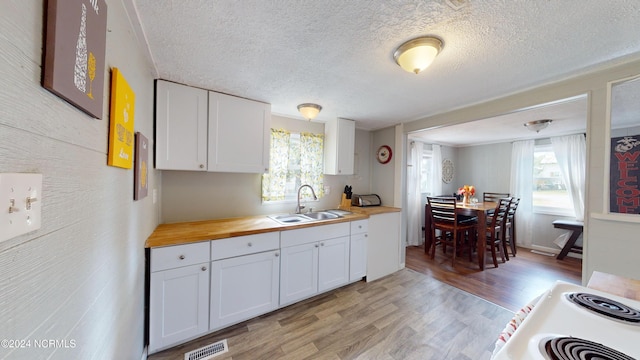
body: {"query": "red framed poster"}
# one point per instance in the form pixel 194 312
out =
pixel 624 192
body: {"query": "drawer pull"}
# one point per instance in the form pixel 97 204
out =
pixel 250 244
pixel 181 257
pixel 321 244
pixel 204 268
pixel 366 235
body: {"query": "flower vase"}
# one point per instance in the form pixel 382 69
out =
pixel 465 199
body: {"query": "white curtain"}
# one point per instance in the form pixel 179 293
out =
pixel 571 153
pixel 435 183
pixel 414 197
pixel 522 187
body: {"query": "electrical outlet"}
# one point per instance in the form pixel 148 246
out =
pixel 20 204
pixel 327 189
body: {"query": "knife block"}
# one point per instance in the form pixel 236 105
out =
pixel 345 204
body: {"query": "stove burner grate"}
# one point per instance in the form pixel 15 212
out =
pixel 570 348
pixel 606 307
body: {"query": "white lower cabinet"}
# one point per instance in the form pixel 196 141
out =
pixel 333 263
pixel 179 297
pixel 243 287
pixel 202 287
pixel 358 250
pixel 313 260
pixel 299 272
pixel 384 245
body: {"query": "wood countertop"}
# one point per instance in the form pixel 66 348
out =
pixel 373 210
pixel 194 231
pixel 616 285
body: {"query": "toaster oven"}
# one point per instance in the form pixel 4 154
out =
pixel 365 200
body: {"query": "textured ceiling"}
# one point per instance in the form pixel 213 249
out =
pixel 339 53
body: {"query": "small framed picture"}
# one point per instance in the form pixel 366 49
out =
pixel 141 169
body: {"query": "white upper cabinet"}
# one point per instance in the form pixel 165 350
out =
pixel 181 127
pixel 203 130
pixel 339 146
pixel 239 134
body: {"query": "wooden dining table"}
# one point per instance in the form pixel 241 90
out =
pixel 479 209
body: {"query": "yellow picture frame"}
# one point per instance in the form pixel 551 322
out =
pixel 121 136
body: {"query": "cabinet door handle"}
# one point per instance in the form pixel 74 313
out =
pixel 277 254
pixel 204 268
pixel 181 257
pixel 249 244
pixel 201 166
pixel 366 235
pixel 321 244
pixel 317 245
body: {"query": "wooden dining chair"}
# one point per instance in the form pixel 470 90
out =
pixel 494 230
pixel 509 235
pixel 494 196
pixel 444 218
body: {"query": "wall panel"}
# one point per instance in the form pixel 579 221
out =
pixel 81 276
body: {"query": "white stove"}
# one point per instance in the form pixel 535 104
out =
pixel 574 322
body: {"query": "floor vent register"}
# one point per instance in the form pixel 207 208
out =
pixel 208 352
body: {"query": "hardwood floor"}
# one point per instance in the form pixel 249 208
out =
pixel 411 314
pixel 510 285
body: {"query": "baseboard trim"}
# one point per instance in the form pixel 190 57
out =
pixel 554 251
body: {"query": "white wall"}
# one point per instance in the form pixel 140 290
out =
pixel 383 175
pixel 193 195
pixel 487 167
pixel 610 241
pixel 81 276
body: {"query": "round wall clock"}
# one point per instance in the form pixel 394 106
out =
pixel 447 171
pixel 384 154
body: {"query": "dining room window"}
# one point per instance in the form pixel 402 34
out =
pixel 295 159
pixel 426 172
pixel 550 193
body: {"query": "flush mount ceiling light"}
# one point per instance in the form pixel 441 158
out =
pixel 537 125
pixel 417 54
pixel 309 111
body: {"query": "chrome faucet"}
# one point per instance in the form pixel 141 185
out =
pixel 299 208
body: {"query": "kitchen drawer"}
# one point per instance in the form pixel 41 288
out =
pixel 359 226
pixel 313 234
pixel 243 245
pixel 170 257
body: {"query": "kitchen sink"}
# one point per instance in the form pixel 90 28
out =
pixel 290 218
pixel 287 219
pixel 322 215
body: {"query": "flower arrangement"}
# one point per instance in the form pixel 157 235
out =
pixel 467 191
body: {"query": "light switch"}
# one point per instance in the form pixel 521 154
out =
pixel 20 204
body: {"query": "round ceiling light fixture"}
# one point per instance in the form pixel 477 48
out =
pixel 537 125
pixel 417 54
pixel 309 110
